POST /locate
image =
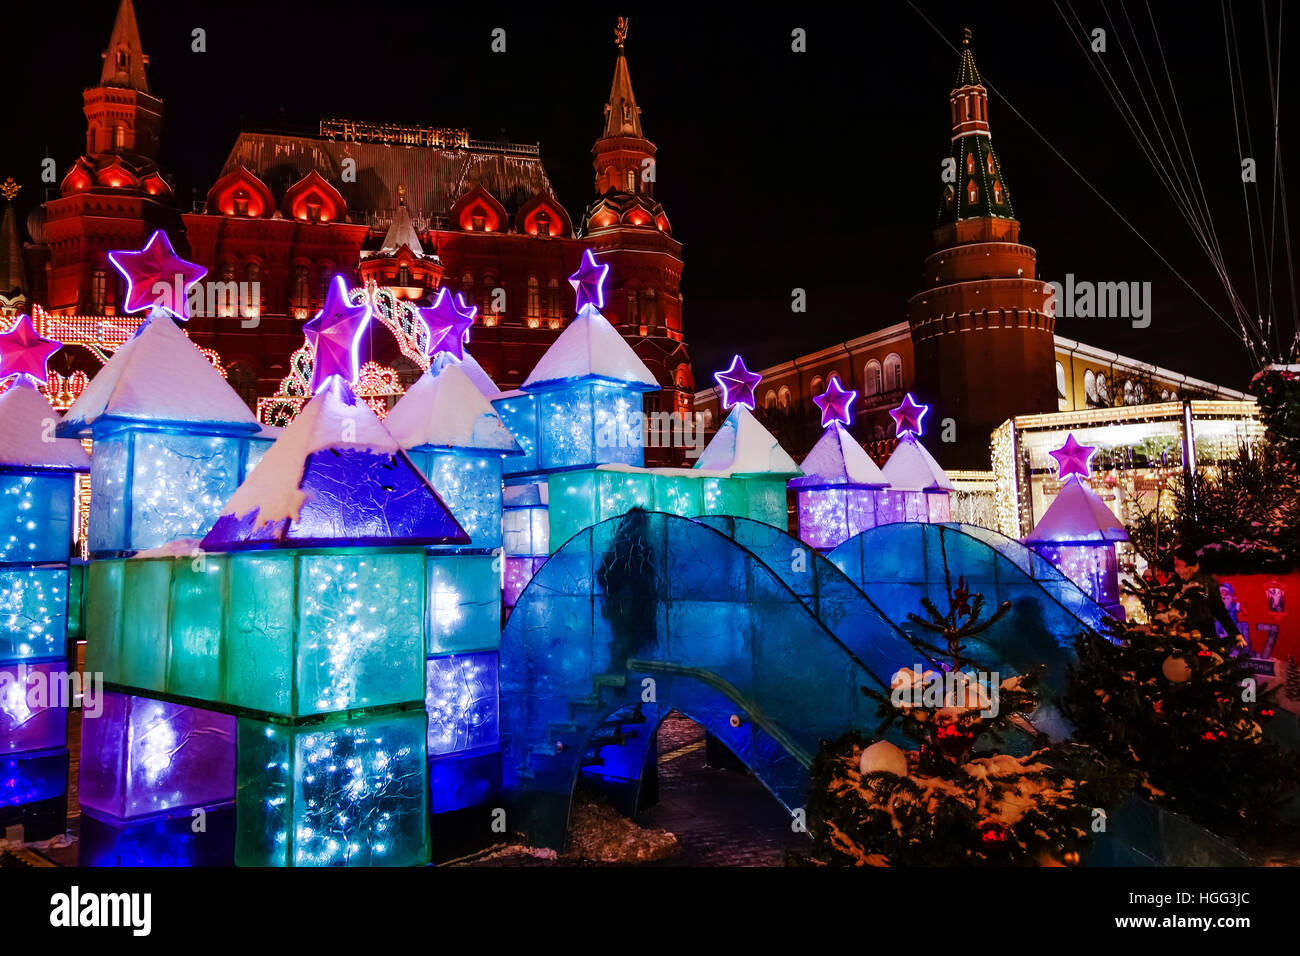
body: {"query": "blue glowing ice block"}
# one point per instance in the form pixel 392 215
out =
pixel 169 840
pixel 288 632
pixel 463 780
pixel 34 702
pixel 33 613
pixel 461 700
pixel 348 791
pixel 32 776
pixel 141 757
pixel 458 441
pixel 464 603
pixel 840 491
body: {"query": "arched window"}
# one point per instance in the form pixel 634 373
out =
pixel 769 400
pixel 631 180
pixel 467 287
pixel 1103 393
pixel 300 296
pixel 534 297
pixel 322 284
pixel 871 382
pixel 1090 387
pixel 633 312
pixel 783 399
pixel 553 297
pixel 403 275
pixel 1130 395
pixel 1062 396
pixel 253 300
pixel 708 419
pixel 970 164
pixel 988 162
pixel 997 192
pixel 972 192
pixel 817 386
pixel 650 314
pixel 893 373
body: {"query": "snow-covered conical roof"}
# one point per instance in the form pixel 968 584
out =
pixel 469 365
pixel 25 432
pixel 1077 516
pixel 743 446
pixel 158 375
pixel 591 348
pixel 837 459
pixel 912 468
pixel 335 476
pixel 444 408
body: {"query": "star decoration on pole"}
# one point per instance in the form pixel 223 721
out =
pixel 447 322
pixel 153 266
pixel 589 283
pixel 836 403
pixel 1073 458
pixel 909 417
pixel 737 384
pixel 335 336
pixel 24 352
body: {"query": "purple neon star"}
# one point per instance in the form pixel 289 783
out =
pixel 589 283
pixel 335 336
pixel 24 351
pixel 1073 458
pixel 909 417
pixel 157 265
pixel 738 384
pixel 836 404
pixel 448 321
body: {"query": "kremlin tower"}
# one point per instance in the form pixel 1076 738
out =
pixel 984 346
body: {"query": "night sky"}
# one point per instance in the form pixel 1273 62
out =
pixel 778 170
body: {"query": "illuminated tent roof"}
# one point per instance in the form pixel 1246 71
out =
pixel 158 375
pixel 334 477
pixel 591 348
pixel 837 459
pixel 25 412
pixel 743 446
pixel 444 408
pixel 912 468
pixel 1077 516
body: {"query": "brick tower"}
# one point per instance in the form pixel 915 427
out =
pixel 983 343
pixel 114 196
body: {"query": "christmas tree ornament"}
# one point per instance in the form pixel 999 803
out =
pixel 883 757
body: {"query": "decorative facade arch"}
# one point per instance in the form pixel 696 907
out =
pixel 313 199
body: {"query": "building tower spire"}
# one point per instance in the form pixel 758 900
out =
pixel 125 59
pixel 622 115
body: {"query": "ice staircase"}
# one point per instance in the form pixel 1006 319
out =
pixel 649 612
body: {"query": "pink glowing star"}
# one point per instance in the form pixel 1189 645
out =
pixel 1073 458
pixel 909 416
pixel 156 277
pixel 589 283
pixel 738 384
pixel 335 336
pixel 836 403
pixel 24 351
pixel 448 321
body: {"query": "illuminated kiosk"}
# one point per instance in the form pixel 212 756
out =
pixel 918 487
pixel 1078 532
pixel 38 475
pixel 172 440
pixel 451 432
pixel 579 408
pixel 841 490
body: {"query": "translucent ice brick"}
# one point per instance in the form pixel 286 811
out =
pixel 35 516
pixel 339 793
pixel 464 601
pixel 33 706
pixel 141 757
pixel 33 613
pixel 461 700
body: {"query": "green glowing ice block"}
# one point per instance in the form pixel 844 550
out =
pixel 464 603
pixel 350 790
pixel 289 632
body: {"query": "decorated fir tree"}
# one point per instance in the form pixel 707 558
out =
pixel 980 786
pixel 1184 712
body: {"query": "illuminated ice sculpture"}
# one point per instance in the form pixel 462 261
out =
pixel 1078 532
pixel 841 491
pixel 38 475
pixel 918 488
pixel 172 440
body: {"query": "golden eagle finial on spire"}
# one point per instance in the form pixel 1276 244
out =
pixel 620 32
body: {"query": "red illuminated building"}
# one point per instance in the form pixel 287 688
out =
pixel 409 208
